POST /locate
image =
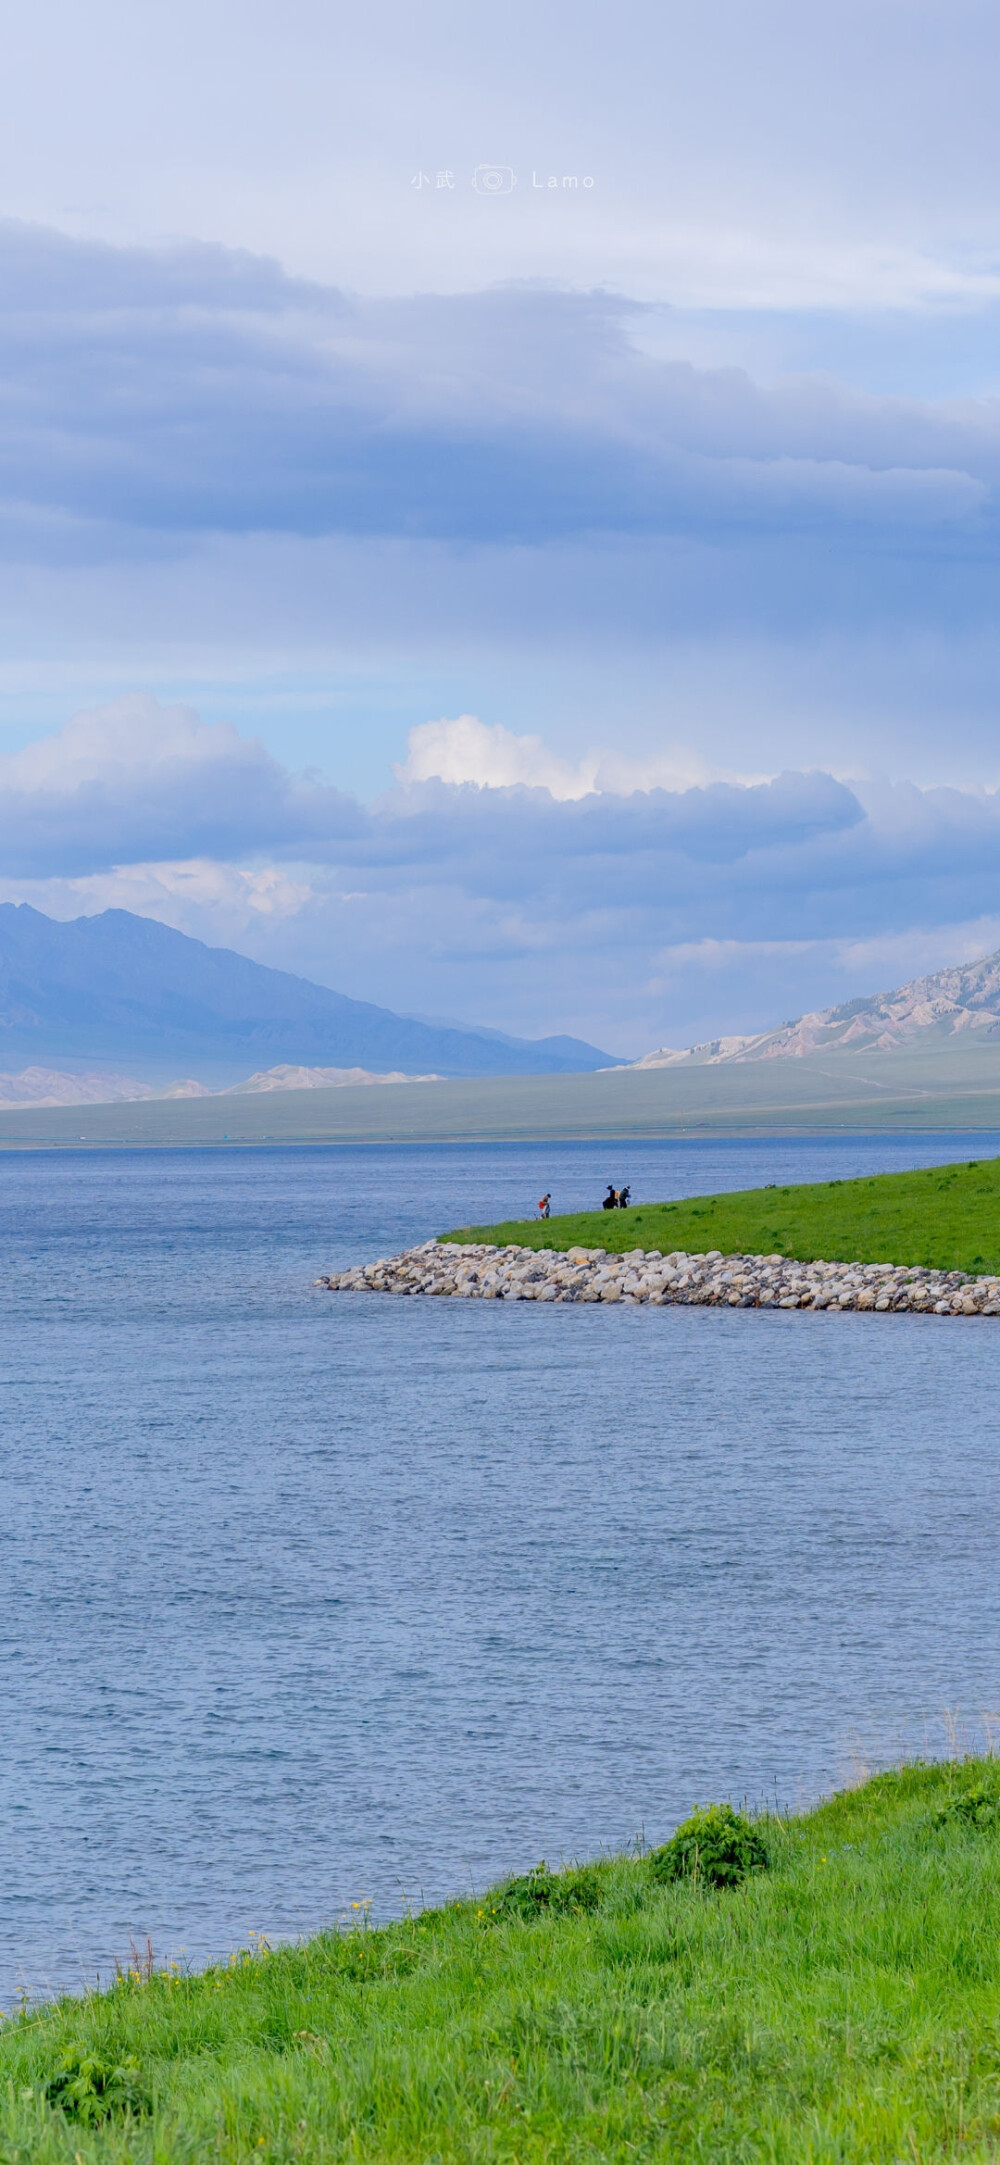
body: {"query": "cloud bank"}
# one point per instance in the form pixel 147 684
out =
pixel 505 896
pixel 146 396
pixel 520 501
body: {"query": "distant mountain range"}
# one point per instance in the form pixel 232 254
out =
pixel 100 991
pixel 959 1003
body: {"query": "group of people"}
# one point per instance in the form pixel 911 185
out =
pixel 615 1199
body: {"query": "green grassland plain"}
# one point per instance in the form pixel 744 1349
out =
pixel 952 1086
pixel 841 2007
pixel 946 1217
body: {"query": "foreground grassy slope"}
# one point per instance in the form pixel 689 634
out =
pixel 843 2005
pixel 947 1217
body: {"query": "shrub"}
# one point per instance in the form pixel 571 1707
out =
pixel 543 1892
pixel 973 1808
pixel 88 2089
pixel 716 1845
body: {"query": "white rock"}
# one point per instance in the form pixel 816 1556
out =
pixel 467 1270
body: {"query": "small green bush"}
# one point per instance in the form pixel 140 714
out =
pixel 90 2090
pixel 972 1808
pixel 542 1892
pixel 716 1845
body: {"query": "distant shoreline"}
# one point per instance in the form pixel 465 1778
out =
pixel 895 1093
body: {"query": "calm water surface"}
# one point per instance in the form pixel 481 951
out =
pixel 309 1599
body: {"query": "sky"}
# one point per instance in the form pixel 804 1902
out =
pixel 499 508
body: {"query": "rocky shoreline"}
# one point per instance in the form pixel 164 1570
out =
pixel 646 1276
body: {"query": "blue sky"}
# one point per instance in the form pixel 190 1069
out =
pixel 562 607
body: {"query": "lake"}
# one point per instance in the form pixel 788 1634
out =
pixel 310 1600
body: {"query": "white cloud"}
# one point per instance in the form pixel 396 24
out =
pixel 491 757
pixel 220 903
pixel 135 737
pixel 137 782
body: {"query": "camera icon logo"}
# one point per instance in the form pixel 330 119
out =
pixel 494 180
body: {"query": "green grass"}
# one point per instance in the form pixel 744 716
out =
pixel 947 1217
pixel 843 2005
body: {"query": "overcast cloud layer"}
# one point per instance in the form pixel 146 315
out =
pixel 565 599
pixel 347 515
pixel 149 398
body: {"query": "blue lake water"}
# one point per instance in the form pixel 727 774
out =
pixel 309 1599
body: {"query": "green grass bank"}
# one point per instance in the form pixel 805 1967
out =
pixel 841 2005
pixel 946 1217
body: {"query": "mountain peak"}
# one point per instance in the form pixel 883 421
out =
pixel 97 991
pixel 959 1001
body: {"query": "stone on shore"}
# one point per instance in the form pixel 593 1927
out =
pixel 477 1271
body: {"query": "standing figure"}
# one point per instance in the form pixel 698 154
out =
pixel 623 1196
pixel 543 1206
pixel 610 1199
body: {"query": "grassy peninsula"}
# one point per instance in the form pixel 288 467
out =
pixel 841 2004
pixel 946 1217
